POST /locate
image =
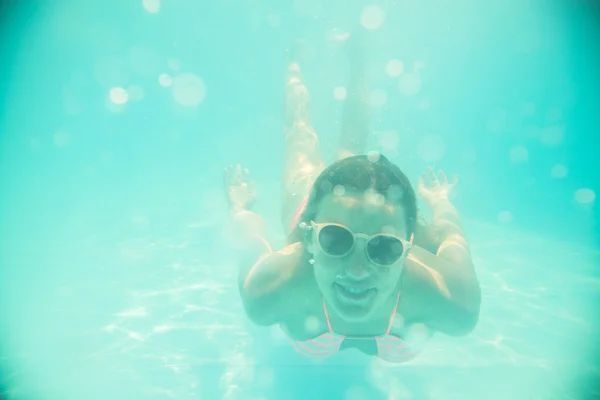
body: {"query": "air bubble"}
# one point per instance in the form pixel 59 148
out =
pixel 373 156
pixel 395 193
pixel 518 154
pixel 505 217
pixel 118 95
pixel 585 196
pixel 559 171
pixel 188 90
pixel 339 93
pixel 326 186
pixel 552 135
pixel 377 98
pixel 61 139
pixel 410 84
pixel 152 6
pixel 339 190
pixel 394 68
pixel 165 80
pixel 372 17
pixel 311 324
pixel 388 140
pixel 273 20
pixel 174 64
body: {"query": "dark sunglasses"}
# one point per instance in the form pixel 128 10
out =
pixel 337 240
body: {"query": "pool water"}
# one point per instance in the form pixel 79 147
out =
pixel 116 277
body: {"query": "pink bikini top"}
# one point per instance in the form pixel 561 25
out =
pixel 389 348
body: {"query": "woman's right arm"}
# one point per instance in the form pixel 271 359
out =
pixel 271 287
pixel 269 281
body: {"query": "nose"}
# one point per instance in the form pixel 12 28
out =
pixel 357 268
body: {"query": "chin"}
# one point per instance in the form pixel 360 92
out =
pixel 352 312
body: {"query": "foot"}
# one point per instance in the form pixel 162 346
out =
pixel 239 188
pixel 296 95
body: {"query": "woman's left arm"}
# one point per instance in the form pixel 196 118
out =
pixel 441 290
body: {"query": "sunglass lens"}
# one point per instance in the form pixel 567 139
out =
pixel 335 240
pixel 385 250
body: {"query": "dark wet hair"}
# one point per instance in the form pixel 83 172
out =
pixel 359 173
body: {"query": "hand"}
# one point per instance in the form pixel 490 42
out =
pixel 239 188
pixel 435 188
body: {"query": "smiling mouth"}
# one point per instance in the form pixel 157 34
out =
pixel 353 293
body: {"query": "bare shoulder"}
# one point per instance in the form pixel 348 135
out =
pixel 280 287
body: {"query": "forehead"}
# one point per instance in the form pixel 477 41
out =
pixel 365 212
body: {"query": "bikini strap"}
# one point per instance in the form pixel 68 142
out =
pixel 327 316
pixel 389 328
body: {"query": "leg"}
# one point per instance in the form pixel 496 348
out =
pixel 303 162
pixel 355 113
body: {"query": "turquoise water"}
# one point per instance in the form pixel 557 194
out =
pixel 117 119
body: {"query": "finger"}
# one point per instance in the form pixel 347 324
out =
pixel 431 176
pixel 424 179
pixel 454 179
pixel 227 173
pixel 443 177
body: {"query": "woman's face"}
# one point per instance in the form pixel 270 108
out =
pixel 353 285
